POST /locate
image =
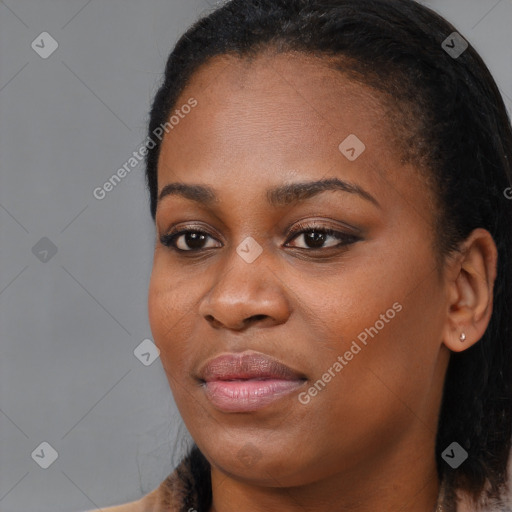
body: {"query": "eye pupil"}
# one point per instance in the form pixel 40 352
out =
pixel 315 238
pixel 194 240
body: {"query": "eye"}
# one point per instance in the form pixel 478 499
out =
pixel 317 237
pixel 314 237
pixel 186 240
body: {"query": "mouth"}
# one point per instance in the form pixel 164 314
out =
pixel 248 381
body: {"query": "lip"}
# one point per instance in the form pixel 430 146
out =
pixel 247 381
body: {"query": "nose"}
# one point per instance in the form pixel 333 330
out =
pixel 246 294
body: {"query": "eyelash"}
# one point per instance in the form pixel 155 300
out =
pixel 168 240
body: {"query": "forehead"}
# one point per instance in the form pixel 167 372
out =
pixel 275 115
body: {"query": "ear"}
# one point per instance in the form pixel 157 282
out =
pixel 470 283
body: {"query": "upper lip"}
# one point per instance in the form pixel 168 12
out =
pixel 246 365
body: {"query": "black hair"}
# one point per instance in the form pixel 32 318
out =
pixel 454 126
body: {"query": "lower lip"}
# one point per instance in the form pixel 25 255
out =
pixel 248 395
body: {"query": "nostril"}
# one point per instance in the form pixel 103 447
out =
pixel 216 323
pixel 211 319
pixel 255 318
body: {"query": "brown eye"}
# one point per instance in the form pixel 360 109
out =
pixel 317 238
pixel 186 241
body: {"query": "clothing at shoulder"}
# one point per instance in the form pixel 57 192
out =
pixel 172 495
pixel 180 491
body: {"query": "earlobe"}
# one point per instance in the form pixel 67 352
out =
pixel 470 292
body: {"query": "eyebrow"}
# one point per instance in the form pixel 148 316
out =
pixel 280 196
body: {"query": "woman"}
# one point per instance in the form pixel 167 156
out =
pixel 331 287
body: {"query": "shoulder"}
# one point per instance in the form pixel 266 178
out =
pixel 167 497
pixel 179 491
pixel 133 506
pixel 466 504
pixel 145 504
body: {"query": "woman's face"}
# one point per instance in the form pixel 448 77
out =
pixel 356 314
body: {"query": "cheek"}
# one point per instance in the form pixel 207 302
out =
pixel 388 339
pixel 383 318
pixel 171 303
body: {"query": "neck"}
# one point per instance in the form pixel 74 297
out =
pixel 405 481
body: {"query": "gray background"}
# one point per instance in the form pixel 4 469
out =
pixel 69 326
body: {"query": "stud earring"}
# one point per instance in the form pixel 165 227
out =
pixel 462 337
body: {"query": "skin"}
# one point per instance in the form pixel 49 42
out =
pixel 366 441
